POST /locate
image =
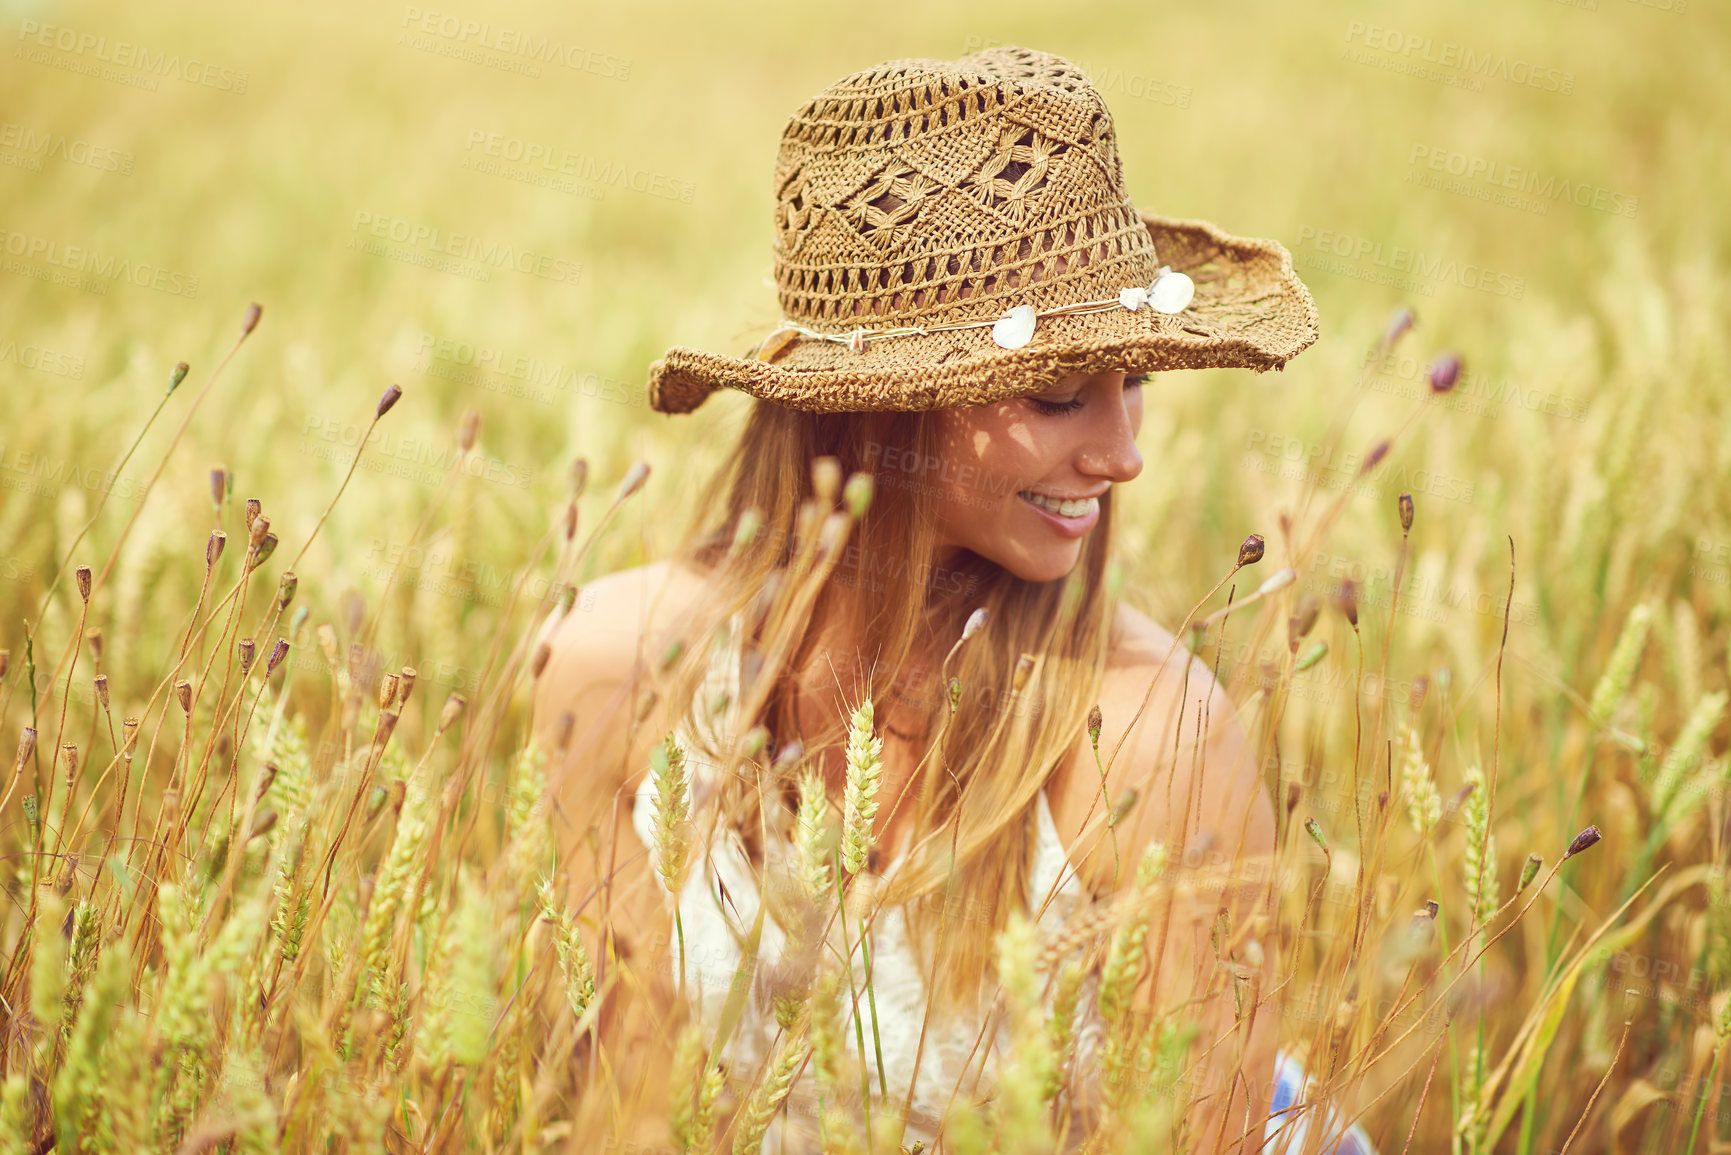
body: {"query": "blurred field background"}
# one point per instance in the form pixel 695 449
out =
pixel 1590 425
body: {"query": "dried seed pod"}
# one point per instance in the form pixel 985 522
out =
pixel 253 313
pixel 1302 620
pixel 277 653
pixel 538 659
pixel 129 736
pixel 468 429
pixel 564 728
pixel 70 753
pixel 93 639
pixel 1094 722
pixel 453 707
pixel 1415 699
pixel 1444 372
pixel 1530 870
pixel 1024 670
pixel 254 507
pixel 405 685
pixel 176 376
pixel 634 479
pixel 1398 325
pixel 1315 831
pixel 218 486
pixel 82 576
pixel 386 727
pixel 285 590
pixel 570 520
pixel 387 691
pixel 826 478
pixel 262 824
pixel 1251 551
pixel 1122 806
pixel 183 695
pixel 213 548
pixel 1585 840
pixel 1405 504
pixel 1346 598
pixel 327 635
pixel 256 531
pixel 579 477
pixel 265 549
pixel 101 683
pixel 264 780
pixel 388 399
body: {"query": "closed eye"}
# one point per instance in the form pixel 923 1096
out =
pixel 1058 408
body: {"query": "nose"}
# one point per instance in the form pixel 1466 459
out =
pixel 1109 450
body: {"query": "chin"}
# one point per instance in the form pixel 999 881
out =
pixel 1042 565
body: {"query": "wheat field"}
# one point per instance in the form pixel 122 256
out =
pixel 255 867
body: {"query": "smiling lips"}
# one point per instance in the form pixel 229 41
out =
pixel 1071 517
pixel 1074 507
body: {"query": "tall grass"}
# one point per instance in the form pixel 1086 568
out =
pixel 276 848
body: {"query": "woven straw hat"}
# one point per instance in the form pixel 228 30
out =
pixel 956 232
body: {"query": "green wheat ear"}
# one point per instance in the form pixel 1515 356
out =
pixel 672 812
pixel 865 770
pixel 1481 850
pixel 1423 803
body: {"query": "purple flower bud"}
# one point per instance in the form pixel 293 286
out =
pixel 1444 372
pixel 1585 840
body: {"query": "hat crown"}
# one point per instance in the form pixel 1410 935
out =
pixel 929 191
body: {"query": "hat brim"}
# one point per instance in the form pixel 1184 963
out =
pixel 1250 311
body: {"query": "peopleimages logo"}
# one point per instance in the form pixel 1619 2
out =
pixel 581 166
pixel 431 243
pixel 1400 259
pixel 125 54
pixel 1521 179
pixel 1483 65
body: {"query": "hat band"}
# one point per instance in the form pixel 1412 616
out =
pixel 1169 293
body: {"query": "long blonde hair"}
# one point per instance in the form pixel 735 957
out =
pixel 976 791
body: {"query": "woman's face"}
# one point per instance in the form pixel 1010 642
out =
pixel 1019 479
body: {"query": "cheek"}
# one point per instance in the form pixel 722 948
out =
pixel 983 464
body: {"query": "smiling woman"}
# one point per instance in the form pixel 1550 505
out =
pixel 1018 745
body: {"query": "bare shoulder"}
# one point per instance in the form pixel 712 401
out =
pixel 1171 739
pixel 601 646
pixel 616 612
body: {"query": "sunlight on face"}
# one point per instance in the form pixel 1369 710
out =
pixel 1019 477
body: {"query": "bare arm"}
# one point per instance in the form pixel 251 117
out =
pixel 1208 809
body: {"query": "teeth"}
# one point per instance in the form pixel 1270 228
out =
pixel 1080 508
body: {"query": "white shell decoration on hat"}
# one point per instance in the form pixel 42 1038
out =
pixel 1015 328
pixel 1170 292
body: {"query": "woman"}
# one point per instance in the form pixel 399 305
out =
pixel 971 308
